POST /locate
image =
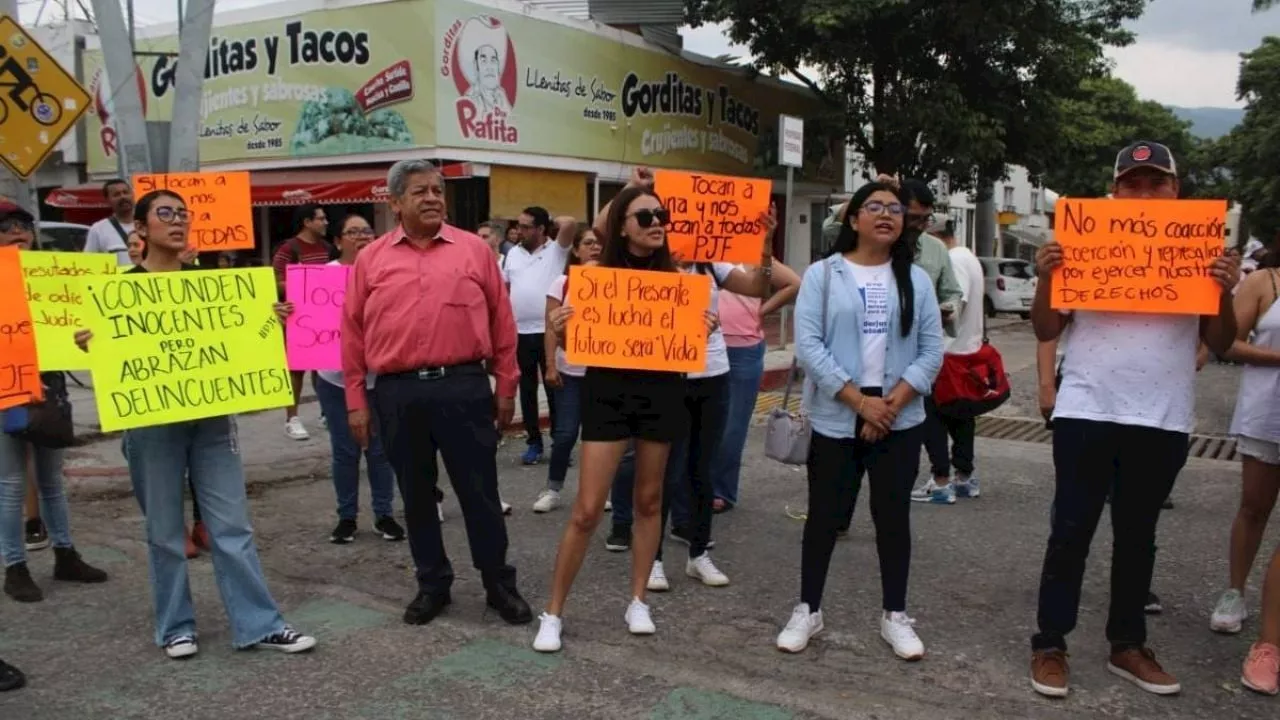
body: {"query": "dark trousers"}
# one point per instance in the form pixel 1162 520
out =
pixel 1140 466
pixel 454 416
pixel 939 429
pixel 688 480
pixel 531 356
pixel 835 473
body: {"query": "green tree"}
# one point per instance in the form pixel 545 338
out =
pixel 1253 148
pixel 1260 5
pixel 964 86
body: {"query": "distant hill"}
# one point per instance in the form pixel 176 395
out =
pixel 1210 122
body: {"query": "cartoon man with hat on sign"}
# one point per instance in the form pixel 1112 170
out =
pixel 483 54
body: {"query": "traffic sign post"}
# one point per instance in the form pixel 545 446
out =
pixel 790 154
pixel 39 100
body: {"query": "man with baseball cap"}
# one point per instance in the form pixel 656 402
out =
pixel 1121 422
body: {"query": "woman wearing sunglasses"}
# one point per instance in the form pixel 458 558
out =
pixel 353 235
pixel 646 406
pixel 869 337
pixel 208 452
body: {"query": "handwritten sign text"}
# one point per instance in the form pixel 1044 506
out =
pixel 54 294
pixel 313 331
pixel 19 374
pixel 220 203
pixel 714 218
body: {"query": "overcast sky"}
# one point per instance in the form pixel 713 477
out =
pixel 1187 52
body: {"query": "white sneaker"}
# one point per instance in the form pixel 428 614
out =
pixel 1229 615
pixel 547 501
pixel 548 639
pixel 295 430
pixel 183 646
pixel 506 506
pixel 703 569
pixel 896 629
pixel 802 626
pixel 608 506
pixel 658 578
pixel 440 510
pixel 639 622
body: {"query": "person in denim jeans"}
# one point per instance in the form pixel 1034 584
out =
pixel 17 229
pixel 354 233
pixel 209 451
pixel 742 321
pixel 564 379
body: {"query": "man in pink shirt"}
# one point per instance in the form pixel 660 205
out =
pixel 427 313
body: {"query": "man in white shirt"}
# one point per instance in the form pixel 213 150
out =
pixel 111 234
pixel 529 270
pixel 968 340
pixel 1121 423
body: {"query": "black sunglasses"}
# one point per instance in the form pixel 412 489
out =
pixel 646 218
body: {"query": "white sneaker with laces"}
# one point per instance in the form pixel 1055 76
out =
pixel 547 501
pixel 639 621
pixel 295 430
pixel 548 639
pixel 440 510
pixel 506 506
pixel 896 629
pixel 1229 615
pixel 183 646
pixel 703 569
pixel 925 491
pixel 658 578
pixel 801 628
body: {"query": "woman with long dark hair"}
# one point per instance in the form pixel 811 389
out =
pixel 869 337
pixel 564 379
pixel 646 406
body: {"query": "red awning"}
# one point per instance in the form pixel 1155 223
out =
pixel 330 186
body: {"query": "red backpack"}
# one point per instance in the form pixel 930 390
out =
pixel 971 385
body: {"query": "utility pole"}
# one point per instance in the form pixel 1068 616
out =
pixel 132 149
pixel 11 186
pixel 184 129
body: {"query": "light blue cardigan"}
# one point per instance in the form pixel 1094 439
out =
pixel 832 355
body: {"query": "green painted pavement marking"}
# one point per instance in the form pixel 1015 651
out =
pixel 102 555
pixel 489 663
pixel 690 704
pixel 321 618
pixel 390 710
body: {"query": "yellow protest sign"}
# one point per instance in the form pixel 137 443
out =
pixel 53 292
pixel 176 346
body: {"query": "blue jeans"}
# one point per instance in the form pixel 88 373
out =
pixel 622 493
pixel 565 433
pixel 209 450
pixel 345 466
pixel 746 367
pixel 13 490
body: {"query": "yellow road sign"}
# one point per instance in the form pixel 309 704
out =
pixel 39 100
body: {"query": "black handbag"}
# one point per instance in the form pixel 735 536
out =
pixel 49 421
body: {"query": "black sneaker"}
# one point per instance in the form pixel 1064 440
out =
pixel 390 529
pixel 1153 606
pixel 68 566
pixel 344 533
pixel 287 641
pixel 619 539
pixel 11 678
pixel 683 535
pixel 19 585
pixel 37 538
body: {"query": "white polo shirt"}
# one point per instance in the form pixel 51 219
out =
pixel 530 276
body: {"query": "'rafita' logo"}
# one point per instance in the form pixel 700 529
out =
pixel 104 106
pixel 481 59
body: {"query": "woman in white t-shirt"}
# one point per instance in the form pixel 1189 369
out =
pixel 564 379
pixel 353 235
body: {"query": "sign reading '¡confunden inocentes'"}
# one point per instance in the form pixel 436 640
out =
pixel 1139 256
pixel 177 346
pixel 637 319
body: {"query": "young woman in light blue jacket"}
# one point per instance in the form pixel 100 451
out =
pixel 869 337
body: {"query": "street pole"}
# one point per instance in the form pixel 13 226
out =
pixel 184 128
pixel 786 310
pixel 132 149
pixel 13 187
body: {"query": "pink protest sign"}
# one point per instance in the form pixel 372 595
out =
pixel 312 334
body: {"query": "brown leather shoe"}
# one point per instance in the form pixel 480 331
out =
pixel 1049 672
pixel 1139 666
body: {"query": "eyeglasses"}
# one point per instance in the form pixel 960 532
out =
pixel 173 216
pixel 18 224
pixel 358 232
pixel 645 218
pixel 875 207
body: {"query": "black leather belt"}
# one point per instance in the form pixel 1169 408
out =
pixel 440 372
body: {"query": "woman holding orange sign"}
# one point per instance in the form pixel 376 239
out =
pixel 646 406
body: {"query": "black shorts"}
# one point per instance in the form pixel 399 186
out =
pixel 624 404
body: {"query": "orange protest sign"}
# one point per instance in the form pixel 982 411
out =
pixel 1140 256
pixel 637 319
pixel 19 374
pixel 714 218
pixel 220 203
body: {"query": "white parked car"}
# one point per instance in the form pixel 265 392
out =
pixel 62 237
pixel 1010 286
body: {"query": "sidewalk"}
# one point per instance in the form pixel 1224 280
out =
pixel 96 468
